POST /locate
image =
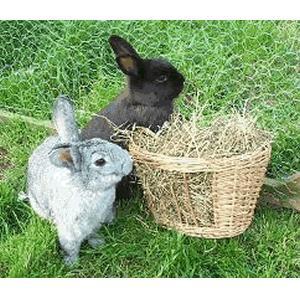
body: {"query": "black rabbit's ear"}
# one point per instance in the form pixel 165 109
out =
pixel 121 47
pixel 130 65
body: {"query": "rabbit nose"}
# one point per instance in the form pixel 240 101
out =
pixel 127 167
pixel 179 76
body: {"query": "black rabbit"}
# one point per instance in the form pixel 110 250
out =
pixel 148 99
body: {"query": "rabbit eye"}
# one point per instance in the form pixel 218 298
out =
pixel 100 162
pixel 161 78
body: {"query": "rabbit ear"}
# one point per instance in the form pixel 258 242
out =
pixel 64 120
pixel 65 156
pixel 122 47
pixel 127 58
pixel 129 65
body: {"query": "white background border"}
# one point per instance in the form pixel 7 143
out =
pixel 143 289
pixel 150 9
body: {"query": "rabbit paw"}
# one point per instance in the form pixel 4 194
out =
pixel 70 259
pixel 23 197
pixel 111 217
pixel 96 241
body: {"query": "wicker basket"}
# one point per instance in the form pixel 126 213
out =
pixel 222 207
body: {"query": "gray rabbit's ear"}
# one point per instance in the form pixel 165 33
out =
pixel 64 120
pixel 65 156
pixel 122 47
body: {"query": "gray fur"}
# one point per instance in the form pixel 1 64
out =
pixel 64 120
pixel 75 194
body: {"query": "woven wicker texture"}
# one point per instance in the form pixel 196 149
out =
pixel 212 196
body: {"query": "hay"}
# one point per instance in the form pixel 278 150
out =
pixel 202 180
pixel 225 137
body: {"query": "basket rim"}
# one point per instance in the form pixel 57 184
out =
pixel 208 164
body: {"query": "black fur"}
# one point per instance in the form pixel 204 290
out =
pixel 148 98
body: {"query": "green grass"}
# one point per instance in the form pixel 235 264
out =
pixel 228 65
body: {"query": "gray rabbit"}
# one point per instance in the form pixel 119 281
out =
pixel 73 182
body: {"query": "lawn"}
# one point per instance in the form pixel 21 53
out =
pixel 228 65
